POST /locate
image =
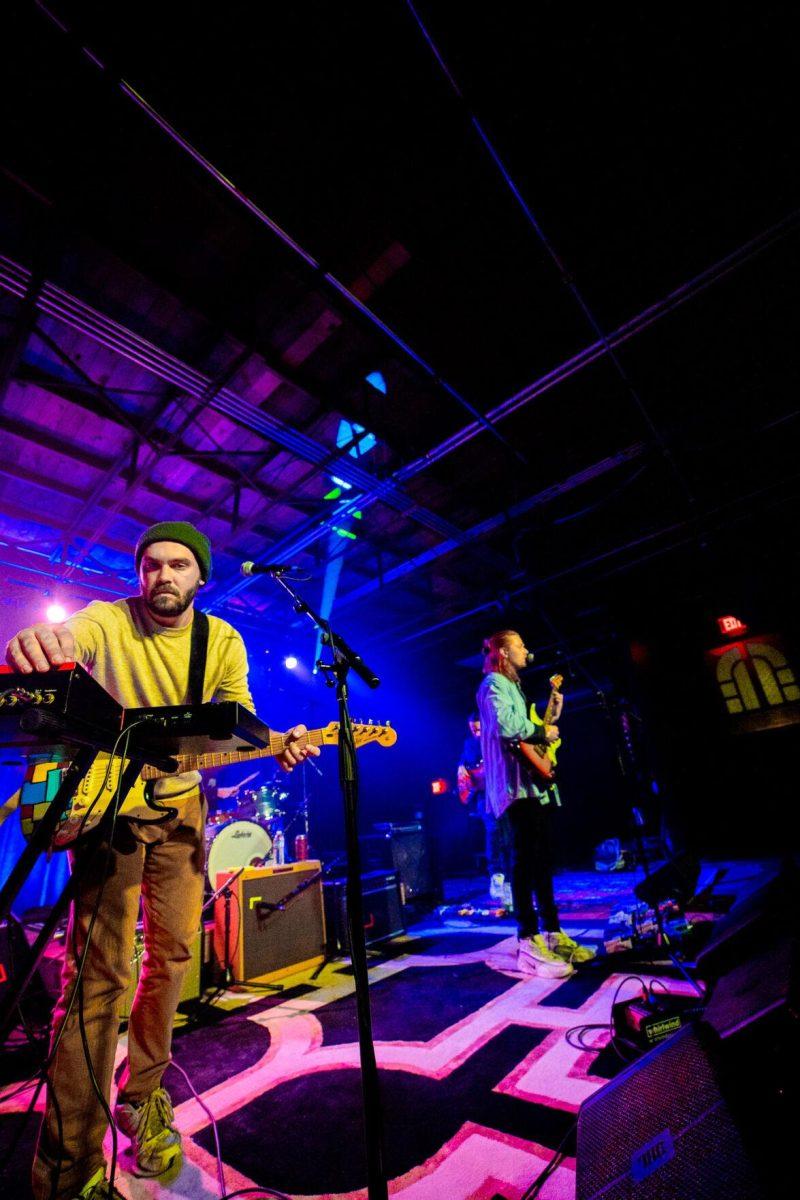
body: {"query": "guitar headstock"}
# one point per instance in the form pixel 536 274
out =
pixel 363 732
pixel 556 682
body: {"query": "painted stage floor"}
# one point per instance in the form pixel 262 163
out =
pixel 480 1083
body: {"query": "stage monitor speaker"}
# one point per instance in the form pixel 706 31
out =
pixel 673 880
pixel 275 921
pixel 663 1129
pixel 403 849
pixel 35 1003
pixel 754 920
pixel 383 913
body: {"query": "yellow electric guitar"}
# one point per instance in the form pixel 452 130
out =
pixel 98 788
pixel 542 759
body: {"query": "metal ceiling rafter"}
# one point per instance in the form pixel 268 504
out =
pixel 76 394
pixel 22 328
pixel 301 540
pixel 729 511
pixel 61 305
pixel 143 469
pixel 30 432
pixel 483 528
pixel 253 520
pixel 325 278
pixel 566 276
pixel 623 333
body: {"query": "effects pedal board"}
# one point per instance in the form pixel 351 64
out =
pixel 647 1019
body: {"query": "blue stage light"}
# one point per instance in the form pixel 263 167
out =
pixel 375 379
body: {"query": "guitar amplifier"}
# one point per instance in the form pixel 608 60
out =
pixel 383 913
pixel 275 922
pixel 403 849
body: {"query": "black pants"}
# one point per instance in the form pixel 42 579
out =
pixel 532 867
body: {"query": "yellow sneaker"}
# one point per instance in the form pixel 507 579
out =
pixel 534 957
pixel 568 949
pixel 155 1142
pixel 98 1188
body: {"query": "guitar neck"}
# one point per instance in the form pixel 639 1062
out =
pixel 547 719
pixel 198 762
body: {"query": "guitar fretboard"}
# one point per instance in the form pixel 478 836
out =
pixel 198 762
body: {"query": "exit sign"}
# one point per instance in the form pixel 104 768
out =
pixel 731 627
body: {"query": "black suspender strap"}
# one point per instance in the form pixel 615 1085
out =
pixel 197 657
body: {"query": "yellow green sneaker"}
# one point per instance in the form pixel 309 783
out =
pixel 534 957
pixel 155 1142
pixel 99 1188
pixel 568 949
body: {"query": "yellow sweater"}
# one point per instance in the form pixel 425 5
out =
pixel 142 663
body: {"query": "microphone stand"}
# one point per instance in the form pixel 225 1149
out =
pixel 346 659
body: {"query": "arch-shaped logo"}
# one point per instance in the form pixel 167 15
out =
pixel 755 675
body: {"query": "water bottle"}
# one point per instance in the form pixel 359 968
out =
pixel 279 848
pixel 496 886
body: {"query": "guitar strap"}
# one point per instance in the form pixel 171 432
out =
pixel 198 653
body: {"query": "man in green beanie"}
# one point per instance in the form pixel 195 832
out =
pixel 139 649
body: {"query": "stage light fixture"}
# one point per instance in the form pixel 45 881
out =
pixel 290 662
pixel 56 613
pixel 375 379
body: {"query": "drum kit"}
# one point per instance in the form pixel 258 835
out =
pixel 248 835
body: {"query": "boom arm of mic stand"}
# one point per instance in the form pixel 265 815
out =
pixel 330 638
pixel 354 661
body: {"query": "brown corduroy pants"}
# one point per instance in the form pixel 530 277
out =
pixel 167 872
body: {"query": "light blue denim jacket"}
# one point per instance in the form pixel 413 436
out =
pixel 503 712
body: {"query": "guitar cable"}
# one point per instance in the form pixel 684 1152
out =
pixel 125 734
pixel 76 994
pixel 578 1031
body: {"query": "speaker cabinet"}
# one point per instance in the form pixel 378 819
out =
pixel 272 923
pixel 662 1129
pixel 767 912
pixel 383 913
pixel 403 849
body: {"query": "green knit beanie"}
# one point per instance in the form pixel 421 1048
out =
pixel 177 531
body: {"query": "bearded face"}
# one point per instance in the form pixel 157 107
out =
pixel 169 578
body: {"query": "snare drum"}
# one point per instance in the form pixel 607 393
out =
pixel 235 844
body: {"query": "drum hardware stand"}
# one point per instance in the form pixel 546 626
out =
pixel 336 672
pixel 303 814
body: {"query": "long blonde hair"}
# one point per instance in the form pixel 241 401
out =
pixel 494 660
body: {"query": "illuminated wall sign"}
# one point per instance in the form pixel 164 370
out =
pixel 731 627
pixel 756 683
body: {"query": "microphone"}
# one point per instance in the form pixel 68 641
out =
pixel 252 568
pixel 529 659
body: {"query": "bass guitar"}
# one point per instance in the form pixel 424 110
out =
pixel 470 781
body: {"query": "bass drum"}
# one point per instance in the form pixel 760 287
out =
pixel 235 844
